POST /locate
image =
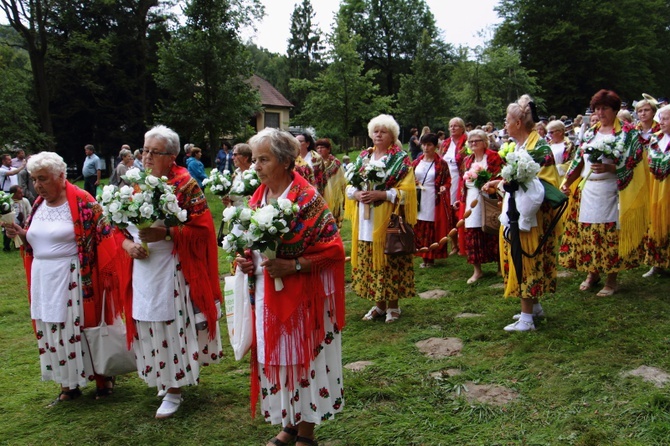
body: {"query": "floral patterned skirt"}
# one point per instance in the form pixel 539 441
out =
pixel 481 247
pixel 394 281
pixel 170 353
pixel 424 235
pixel 657 253
pixel 59 343
pixel 314 399
pixel 539 272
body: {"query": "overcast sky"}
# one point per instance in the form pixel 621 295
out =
pixel 460 21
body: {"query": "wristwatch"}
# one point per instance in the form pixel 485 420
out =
pixel 168 237
pixel 298 267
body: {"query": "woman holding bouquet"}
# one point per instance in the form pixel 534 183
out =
pixel 538 275
pixel 381 179
pixel 435 217
pixel 608 216
pixel 242 161
pixel 69 255
pixel 297 355
pixel 172 289
pixel 484 162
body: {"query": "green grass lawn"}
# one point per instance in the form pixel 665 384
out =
pixel 568 374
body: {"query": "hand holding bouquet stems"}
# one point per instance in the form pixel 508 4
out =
pixel 261 229
pixel 147 201
pixel 606 148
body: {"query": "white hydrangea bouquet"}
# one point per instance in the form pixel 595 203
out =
pixel 608 147
pixel 151 199
pixel 520 168
pixel 369 173
pixel 247 183
pixel 5 203
pixel 261 229
pixel 219 182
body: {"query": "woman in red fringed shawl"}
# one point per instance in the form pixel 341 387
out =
pixel 172 293
pixel 297 353
pixel 480 246
pixel 454 150
pixel 435 217
pixel 68 251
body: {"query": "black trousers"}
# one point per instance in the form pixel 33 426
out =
pixel 89 184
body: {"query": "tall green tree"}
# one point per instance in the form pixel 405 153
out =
pixel 204 70
pixel 30 18
pixel 272 67
pixel 305 50
pixel 482 86
pixel 577 47
pixel 18 124
pixel 390 31
pixel 344 95
pixel 423 97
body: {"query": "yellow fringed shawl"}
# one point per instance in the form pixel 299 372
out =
pixel 381 217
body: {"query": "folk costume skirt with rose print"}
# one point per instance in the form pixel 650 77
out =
pixel 170 353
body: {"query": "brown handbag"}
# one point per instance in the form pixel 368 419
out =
pixel 490 214
pixel 399 236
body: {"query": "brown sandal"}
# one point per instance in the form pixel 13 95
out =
pixel 289 430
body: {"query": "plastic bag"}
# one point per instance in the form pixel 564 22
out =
pixel 238 313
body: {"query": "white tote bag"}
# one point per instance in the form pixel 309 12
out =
pixel 238 313
pixel 105 345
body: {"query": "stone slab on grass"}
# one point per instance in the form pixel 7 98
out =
pixel 433 294
pixel 467 315
pixel 650 374
pixel 358 365
pixel 488 394
pixel 440 347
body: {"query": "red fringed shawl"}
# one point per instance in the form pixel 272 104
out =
pixel 96 250
pixel 294 315
pixel 195 242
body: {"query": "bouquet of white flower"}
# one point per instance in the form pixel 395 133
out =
pixel 247 183
pixel 151 199
pixel 520 168
pixel 606 148
pixel 219 182
pixel 261 229
pixel 370 172
pixel 5 203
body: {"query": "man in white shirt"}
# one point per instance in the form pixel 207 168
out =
pixel 8 174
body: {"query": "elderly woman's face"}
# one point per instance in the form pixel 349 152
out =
pixel 48 185
pixel 242 162
pixel 382 138
pixel 267 166
pixel 556 135
pixel 156 158
pixel 664 122
pixel 455 129
pixel 477 143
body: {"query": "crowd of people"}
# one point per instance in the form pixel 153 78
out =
pixel 164 280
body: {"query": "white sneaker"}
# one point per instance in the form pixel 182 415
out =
pixel 651 272
pixel 169 406
pixel 161 393
pixel 540 313
pixel 520 326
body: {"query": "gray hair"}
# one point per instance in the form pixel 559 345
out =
pixel 284 146
pixel 167 135
pixel 125 152
pixel 482 134
pixel 664 110
pixel 49 161
pixel 384 121
pixel 243 150
pixel 556 125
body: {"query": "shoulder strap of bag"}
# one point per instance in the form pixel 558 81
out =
pixel 426 175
